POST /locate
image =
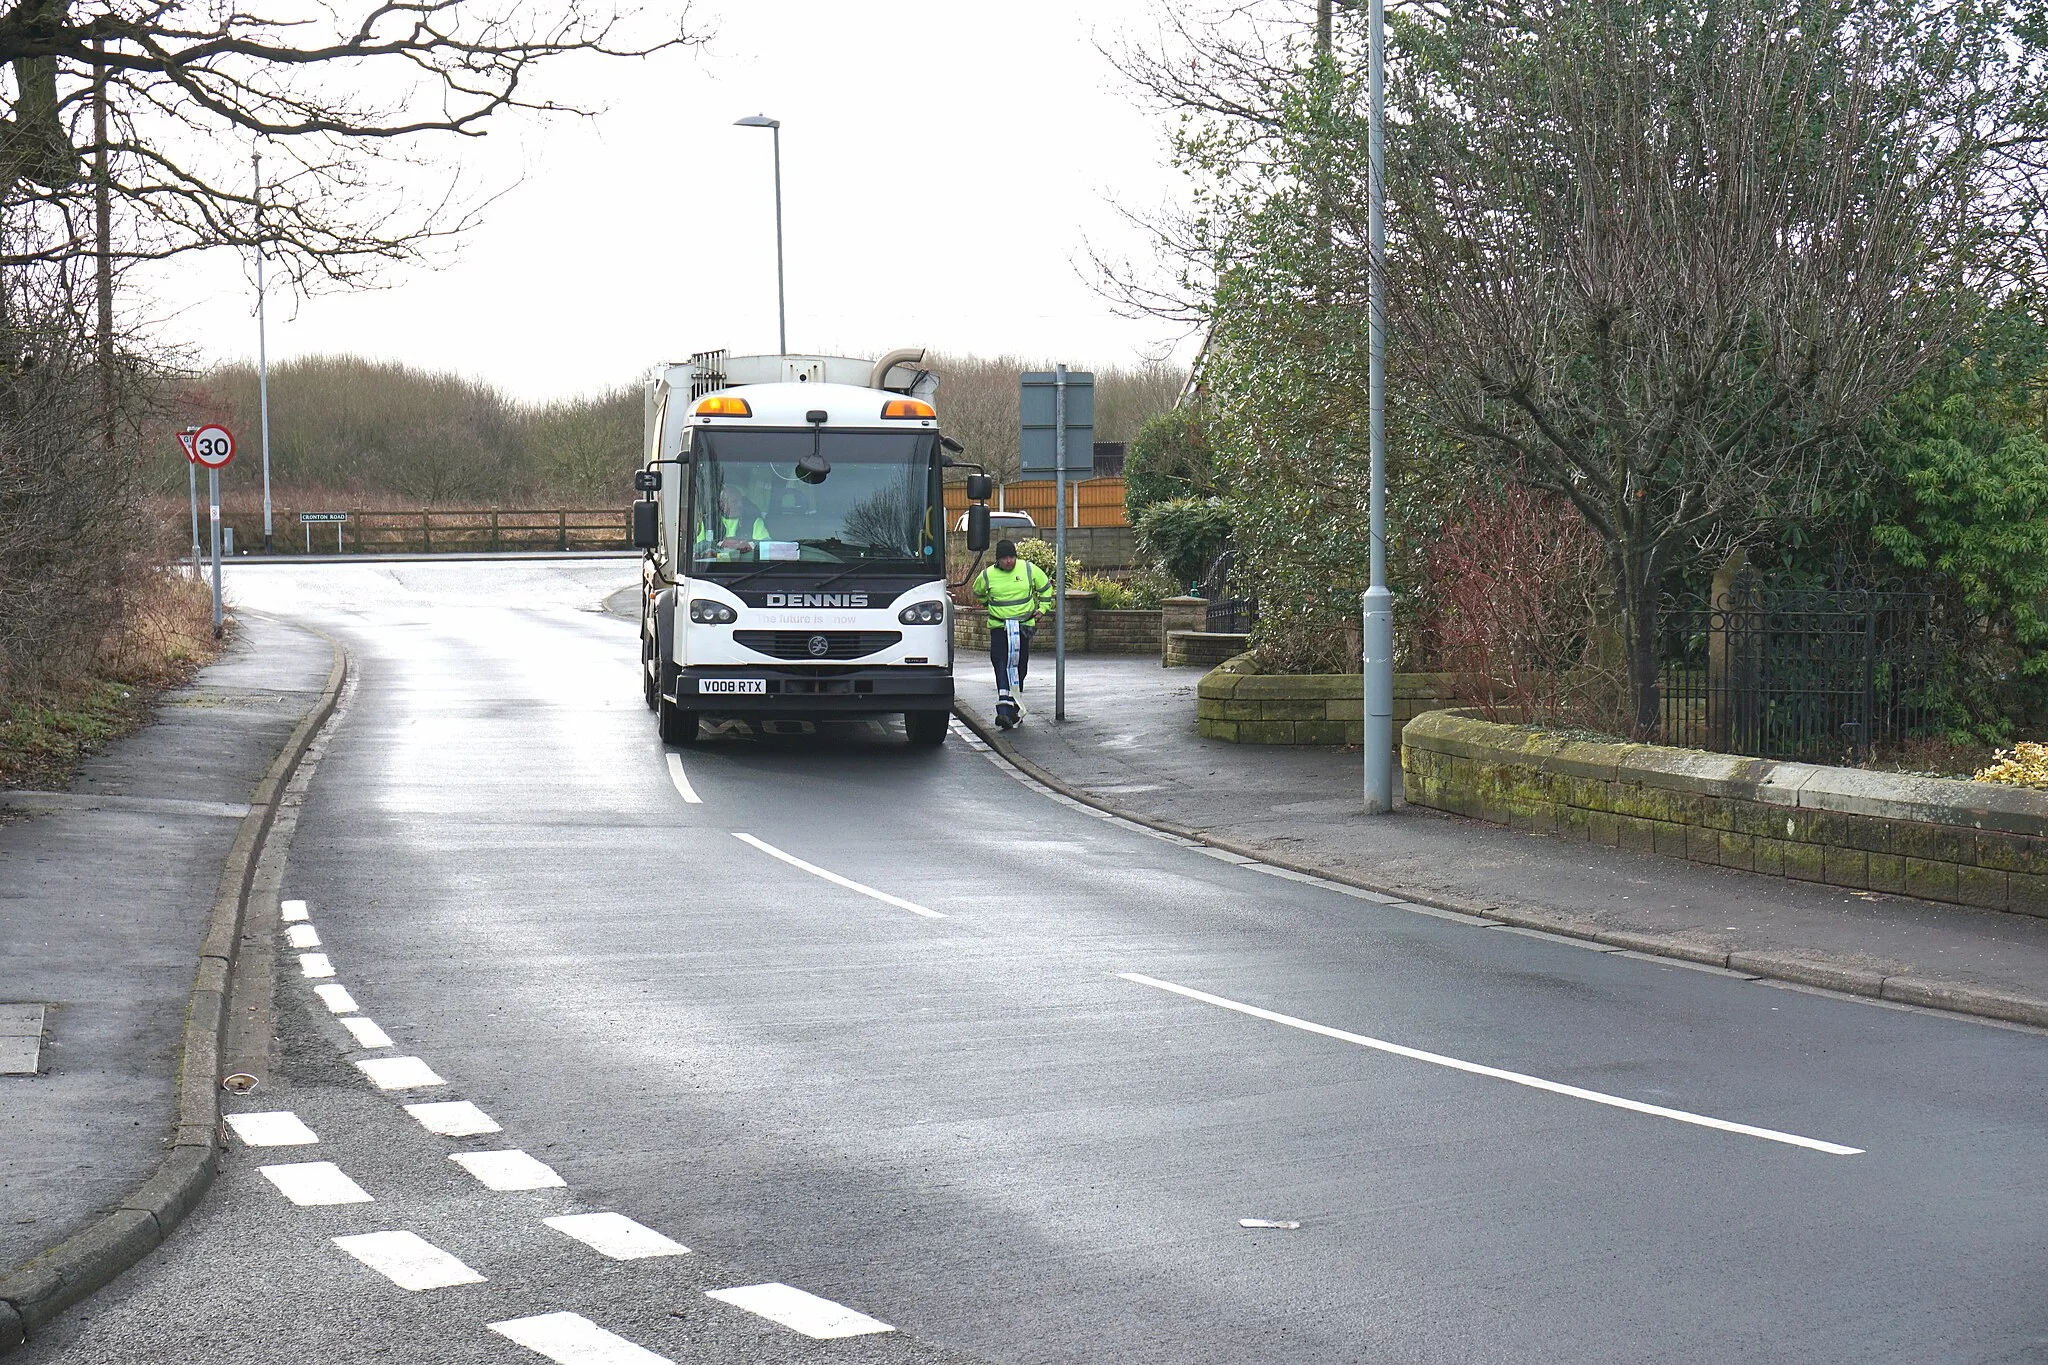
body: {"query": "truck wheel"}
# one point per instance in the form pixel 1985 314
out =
pixel 927 729
pixel 678 727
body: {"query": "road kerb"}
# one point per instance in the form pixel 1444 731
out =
pixel 1948 996
pixel 36 1291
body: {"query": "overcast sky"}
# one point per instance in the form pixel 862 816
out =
pixel 944 168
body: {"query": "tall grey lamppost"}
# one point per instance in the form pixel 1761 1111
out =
pixel 1379 599
pixel 262 347
pixel 781 309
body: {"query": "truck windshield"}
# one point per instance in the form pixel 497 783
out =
pixel 750 504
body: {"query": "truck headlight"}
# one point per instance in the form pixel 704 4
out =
pixel 708 613
pixel 923 614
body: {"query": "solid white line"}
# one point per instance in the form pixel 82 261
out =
pixel 307 1183
pixel 616 1235
pixel 818 1318
pixel 675 773
pixel 336 998
pixel 367 1033
pixel 408 1260
pixel 572 1339
pixel 837 880
pixel 291 910
pixel 398 1073
pixel 1518 1078
pixel 453 1118
pixel 303 936
pixel 508 1170
pixel 315 965
pixel 282 1128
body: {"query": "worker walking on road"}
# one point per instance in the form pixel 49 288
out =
pixel 1016 593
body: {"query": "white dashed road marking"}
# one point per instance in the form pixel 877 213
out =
pixel 336 998
pixel 408 1260
pixel 366 1032
pixel 508 1170
pixel 315 965
pixel 676 775
pixel 280 1129
pixel 837 880
pixel 453 1118
pixel 398 1073
pixel 291 910
pixel 1496 1073
pixel 616 1235
pixel 309 1183
pixel 799 1311
pixel 572 1339
pixel 303 936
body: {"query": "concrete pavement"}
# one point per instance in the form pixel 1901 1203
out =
pixel 107 890
pixel 1129 744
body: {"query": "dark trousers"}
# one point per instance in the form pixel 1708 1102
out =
pixel 999 653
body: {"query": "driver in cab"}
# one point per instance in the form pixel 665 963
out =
pixel 737 527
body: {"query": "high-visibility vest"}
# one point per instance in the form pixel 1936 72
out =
pixel 732 528
pixel 1023 591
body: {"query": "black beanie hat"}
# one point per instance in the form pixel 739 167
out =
pixel 1006 549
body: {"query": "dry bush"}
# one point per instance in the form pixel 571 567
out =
pixel 166 633
pixel 70 498
pixel 1518 593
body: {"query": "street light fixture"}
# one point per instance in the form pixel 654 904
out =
pixel 781 307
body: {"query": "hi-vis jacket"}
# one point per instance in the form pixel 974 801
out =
pixel 1024 591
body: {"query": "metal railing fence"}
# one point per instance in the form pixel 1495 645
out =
pixel 1802 673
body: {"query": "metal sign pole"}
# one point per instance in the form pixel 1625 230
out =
pixel 192 486
pixel 1059 530
pixel 213 502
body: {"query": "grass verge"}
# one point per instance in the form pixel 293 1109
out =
pixel 48 731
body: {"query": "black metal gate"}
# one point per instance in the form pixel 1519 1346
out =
pixel 1825 674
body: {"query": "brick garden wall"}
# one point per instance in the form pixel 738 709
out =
pixel 1966 843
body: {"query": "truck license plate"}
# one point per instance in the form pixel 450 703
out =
pixel 749 687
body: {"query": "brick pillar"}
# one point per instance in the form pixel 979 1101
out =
pixel 1080 611
pixel 1180 613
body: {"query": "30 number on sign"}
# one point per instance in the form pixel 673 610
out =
pixel 212 446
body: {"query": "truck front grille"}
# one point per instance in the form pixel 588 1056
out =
pixel 804 644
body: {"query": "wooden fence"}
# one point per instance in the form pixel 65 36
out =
pixel 1090 502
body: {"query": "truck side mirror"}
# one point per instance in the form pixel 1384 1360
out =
pixel 977 527
pixel 646 524
pixel 647 481
pixel 980 488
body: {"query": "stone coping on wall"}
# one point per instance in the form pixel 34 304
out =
pixel 1238 702
pixel 1967 843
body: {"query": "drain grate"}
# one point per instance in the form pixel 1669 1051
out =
pixel 21 1039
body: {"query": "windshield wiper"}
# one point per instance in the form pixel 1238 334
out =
pixel 730 583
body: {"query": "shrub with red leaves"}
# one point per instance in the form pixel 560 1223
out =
pixel 1517 585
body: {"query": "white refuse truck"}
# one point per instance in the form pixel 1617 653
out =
pixel 793 521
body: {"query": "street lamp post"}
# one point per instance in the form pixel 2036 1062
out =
pixel 262 348
pixel 1379 599
pixel 781 307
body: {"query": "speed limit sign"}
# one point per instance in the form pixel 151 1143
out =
pixel 212 446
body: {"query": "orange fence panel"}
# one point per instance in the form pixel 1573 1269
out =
pixel 1090 502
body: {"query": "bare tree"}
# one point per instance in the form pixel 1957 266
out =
pixel 336 94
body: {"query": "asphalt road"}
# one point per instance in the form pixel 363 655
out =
pixel 1015 1104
